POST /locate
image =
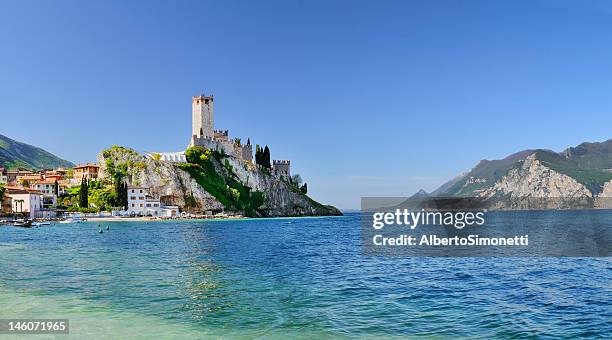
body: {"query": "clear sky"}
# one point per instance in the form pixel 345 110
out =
pixel 367 98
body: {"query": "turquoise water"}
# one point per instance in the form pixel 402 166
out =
pixel 273 278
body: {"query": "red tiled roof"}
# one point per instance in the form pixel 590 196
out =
pixel 86 166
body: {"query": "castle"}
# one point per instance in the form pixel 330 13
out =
pixel 203 134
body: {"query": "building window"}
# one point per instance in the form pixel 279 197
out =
pixel 148 205
pixel 141 205
pixel 133 205
pixel 141 191
pixel 141 198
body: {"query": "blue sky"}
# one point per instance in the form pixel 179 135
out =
pixel 372 98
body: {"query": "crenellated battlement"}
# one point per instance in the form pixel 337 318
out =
pixel 281 168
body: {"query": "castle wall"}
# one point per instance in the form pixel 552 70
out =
pixel 247 153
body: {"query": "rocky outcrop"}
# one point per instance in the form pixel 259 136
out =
pixel 163 179
pixel 531 185
pixel 177 187
pixel 282 199
pixel 604 199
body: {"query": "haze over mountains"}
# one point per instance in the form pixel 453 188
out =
pixel 14 154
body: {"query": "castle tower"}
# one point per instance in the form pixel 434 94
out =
pixel 202 116
pixel 281 168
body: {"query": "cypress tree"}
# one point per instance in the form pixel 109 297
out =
pixel 258 155
pixel 124 196
pixel 83 194
pixel 266 158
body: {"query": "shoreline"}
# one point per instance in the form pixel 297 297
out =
pixel 154 219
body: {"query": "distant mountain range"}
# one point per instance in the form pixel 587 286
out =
pixel 581 172
pixel 14 154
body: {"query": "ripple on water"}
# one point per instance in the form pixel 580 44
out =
pixel 288 278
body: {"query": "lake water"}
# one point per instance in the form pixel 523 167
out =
pixel 273 278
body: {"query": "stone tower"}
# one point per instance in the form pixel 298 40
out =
pixel 202 116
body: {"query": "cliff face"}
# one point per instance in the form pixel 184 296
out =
pixel 540 179
pixel 533 185
pixel 176 186
pixel 165 180
pixel 281 198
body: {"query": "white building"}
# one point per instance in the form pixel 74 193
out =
pixel 136 199
pixel 25 200
pixel 174 157
pixel 47 188
pixel 142 204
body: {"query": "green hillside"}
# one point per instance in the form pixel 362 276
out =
pixel 490 171
pixel 588 163
pixel 14 154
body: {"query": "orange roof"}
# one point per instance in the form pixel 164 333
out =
pixel 21 190
pixel 88 165
pixel 30 177
pixel 45 181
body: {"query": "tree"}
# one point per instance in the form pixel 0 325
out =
pixel 296 180
pixel 258 155
pixel 266 158
pixel 124 196
pixel 197 154
pixel 83 194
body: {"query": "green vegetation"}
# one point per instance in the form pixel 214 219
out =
pixel 2 189
pixel 588 163
pixel 262 157
pixel 83 198
pixel 223 185
pixel 578 169
pixel 100 197
pixel 14 154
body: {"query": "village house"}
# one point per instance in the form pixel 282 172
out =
pixel 14 173
pixel 142 204
pixel 25 200
pixel 49 188
pixel 87 171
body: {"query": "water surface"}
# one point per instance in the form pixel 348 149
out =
pixel 286 277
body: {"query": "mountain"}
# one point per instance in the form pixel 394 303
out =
pixel 14 154
pixel 583 171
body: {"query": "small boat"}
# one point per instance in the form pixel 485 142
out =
pixel 40 224
pixel 71 220
pixel 23 223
